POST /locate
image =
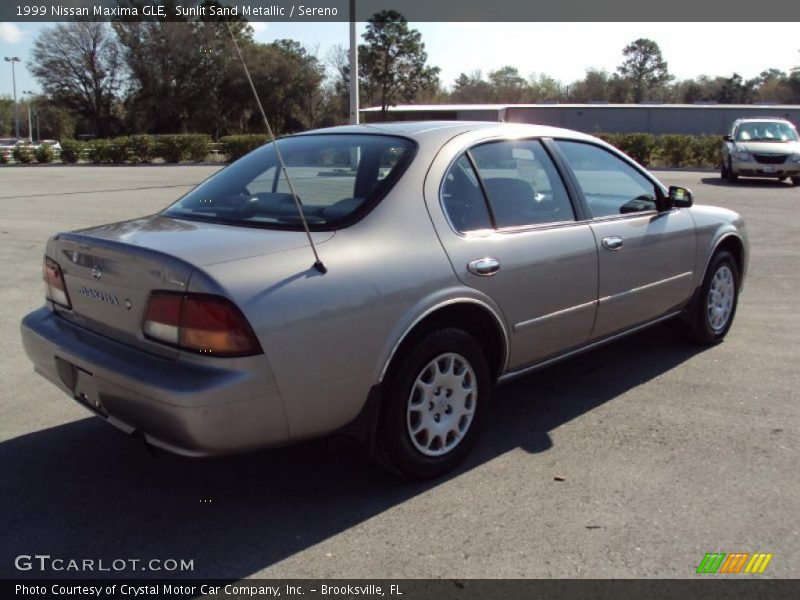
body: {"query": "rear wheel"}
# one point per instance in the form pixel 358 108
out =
pixel 796 181
pixel 711 313
pixel 434 403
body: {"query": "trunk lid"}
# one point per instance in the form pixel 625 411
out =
pixel 110 270
pixel 200 243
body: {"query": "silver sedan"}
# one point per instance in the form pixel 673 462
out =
pixel 452 257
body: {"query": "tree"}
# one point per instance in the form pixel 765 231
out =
pixel 6 115
pixel 594 87
pixel 644 67
pixel 546 89
pixel 772 85
pixel 78 64
pixel 735 90
pixel 178 70
pixel 392 62
pixel 471 89
pixel 508 85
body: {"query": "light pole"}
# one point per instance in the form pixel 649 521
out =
pixel 353 66
pixel 12 60
pixel 28 93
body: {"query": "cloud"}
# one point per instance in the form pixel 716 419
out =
pixel 10 33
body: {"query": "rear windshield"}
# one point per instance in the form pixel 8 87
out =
pixel 337 178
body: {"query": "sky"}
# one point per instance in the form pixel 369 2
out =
pixel 562 50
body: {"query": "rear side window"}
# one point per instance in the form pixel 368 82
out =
pixel 522 188
pixel 522 184
pixel 337 178
pixel 611 185
pixel 463 199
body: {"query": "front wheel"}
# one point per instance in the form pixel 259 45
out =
pixel 796 181
pixel 712 311
pixel 434 403
pixel 730 174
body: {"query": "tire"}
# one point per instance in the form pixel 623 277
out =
pixel 730 176
pixel 723 170
pixel 796 181
pixel 422 433
pixel 711 313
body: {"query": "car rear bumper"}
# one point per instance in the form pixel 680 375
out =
pixel 190 408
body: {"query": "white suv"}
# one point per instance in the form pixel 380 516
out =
pixel 765 147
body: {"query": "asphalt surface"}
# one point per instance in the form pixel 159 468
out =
pixel 667 451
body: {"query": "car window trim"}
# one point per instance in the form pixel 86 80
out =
pixel 482 185
pixel 626 159
pixel 579 205
pixel 518 228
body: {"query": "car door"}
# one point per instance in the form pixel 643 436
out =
pixel 646 256
pixel 511 232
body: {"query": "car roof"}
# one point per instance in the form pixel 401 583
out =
pixel 761 120
pixel 442 131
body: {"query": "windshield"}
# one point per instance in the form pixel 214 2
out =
pixel 766 131
pixel 337 178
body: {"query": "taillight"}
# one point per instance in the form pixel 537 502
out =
pixel 54 287
pixel 199 322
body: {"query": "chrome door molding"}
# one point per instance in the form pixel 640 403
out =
pixel 641 288
pixel 558 313
pixel 433 309
pixel 511 375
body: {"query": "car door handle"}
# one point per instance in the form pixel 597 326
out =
pixel 484 266
pixel 612 243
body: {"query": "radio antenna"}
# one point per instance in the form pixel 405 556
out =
pixel 318 264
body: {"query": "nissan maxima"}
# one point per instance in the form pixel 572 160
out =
pixel 382 290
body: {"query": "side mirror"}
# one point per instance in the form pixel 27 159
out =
pixel 680 197
pixel 727 138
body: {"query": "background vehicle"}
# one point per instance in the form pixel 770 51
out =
pixel 54 145
pixel 456 256
pixel 761 148
pixel 7 146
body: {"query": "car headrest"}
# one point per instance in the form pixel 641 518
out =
pixel 511 198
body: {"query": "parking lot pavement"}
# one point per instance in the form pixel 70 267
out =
pixel 667 451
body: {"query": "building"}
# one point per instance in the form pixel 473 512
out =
pixel 711 119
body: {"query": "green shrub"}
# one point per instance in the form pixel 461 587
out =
pixel 44 154
pixel 707 151
pixel 71 151
pixel 236 146
pixel 639 146
pixel 3 158
pixel 675 149
pixel 118 150
pixel 142 148
pixel 197 146
pixel 98 151
pixel 169 148
pixel 22 154
pixel 180 147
